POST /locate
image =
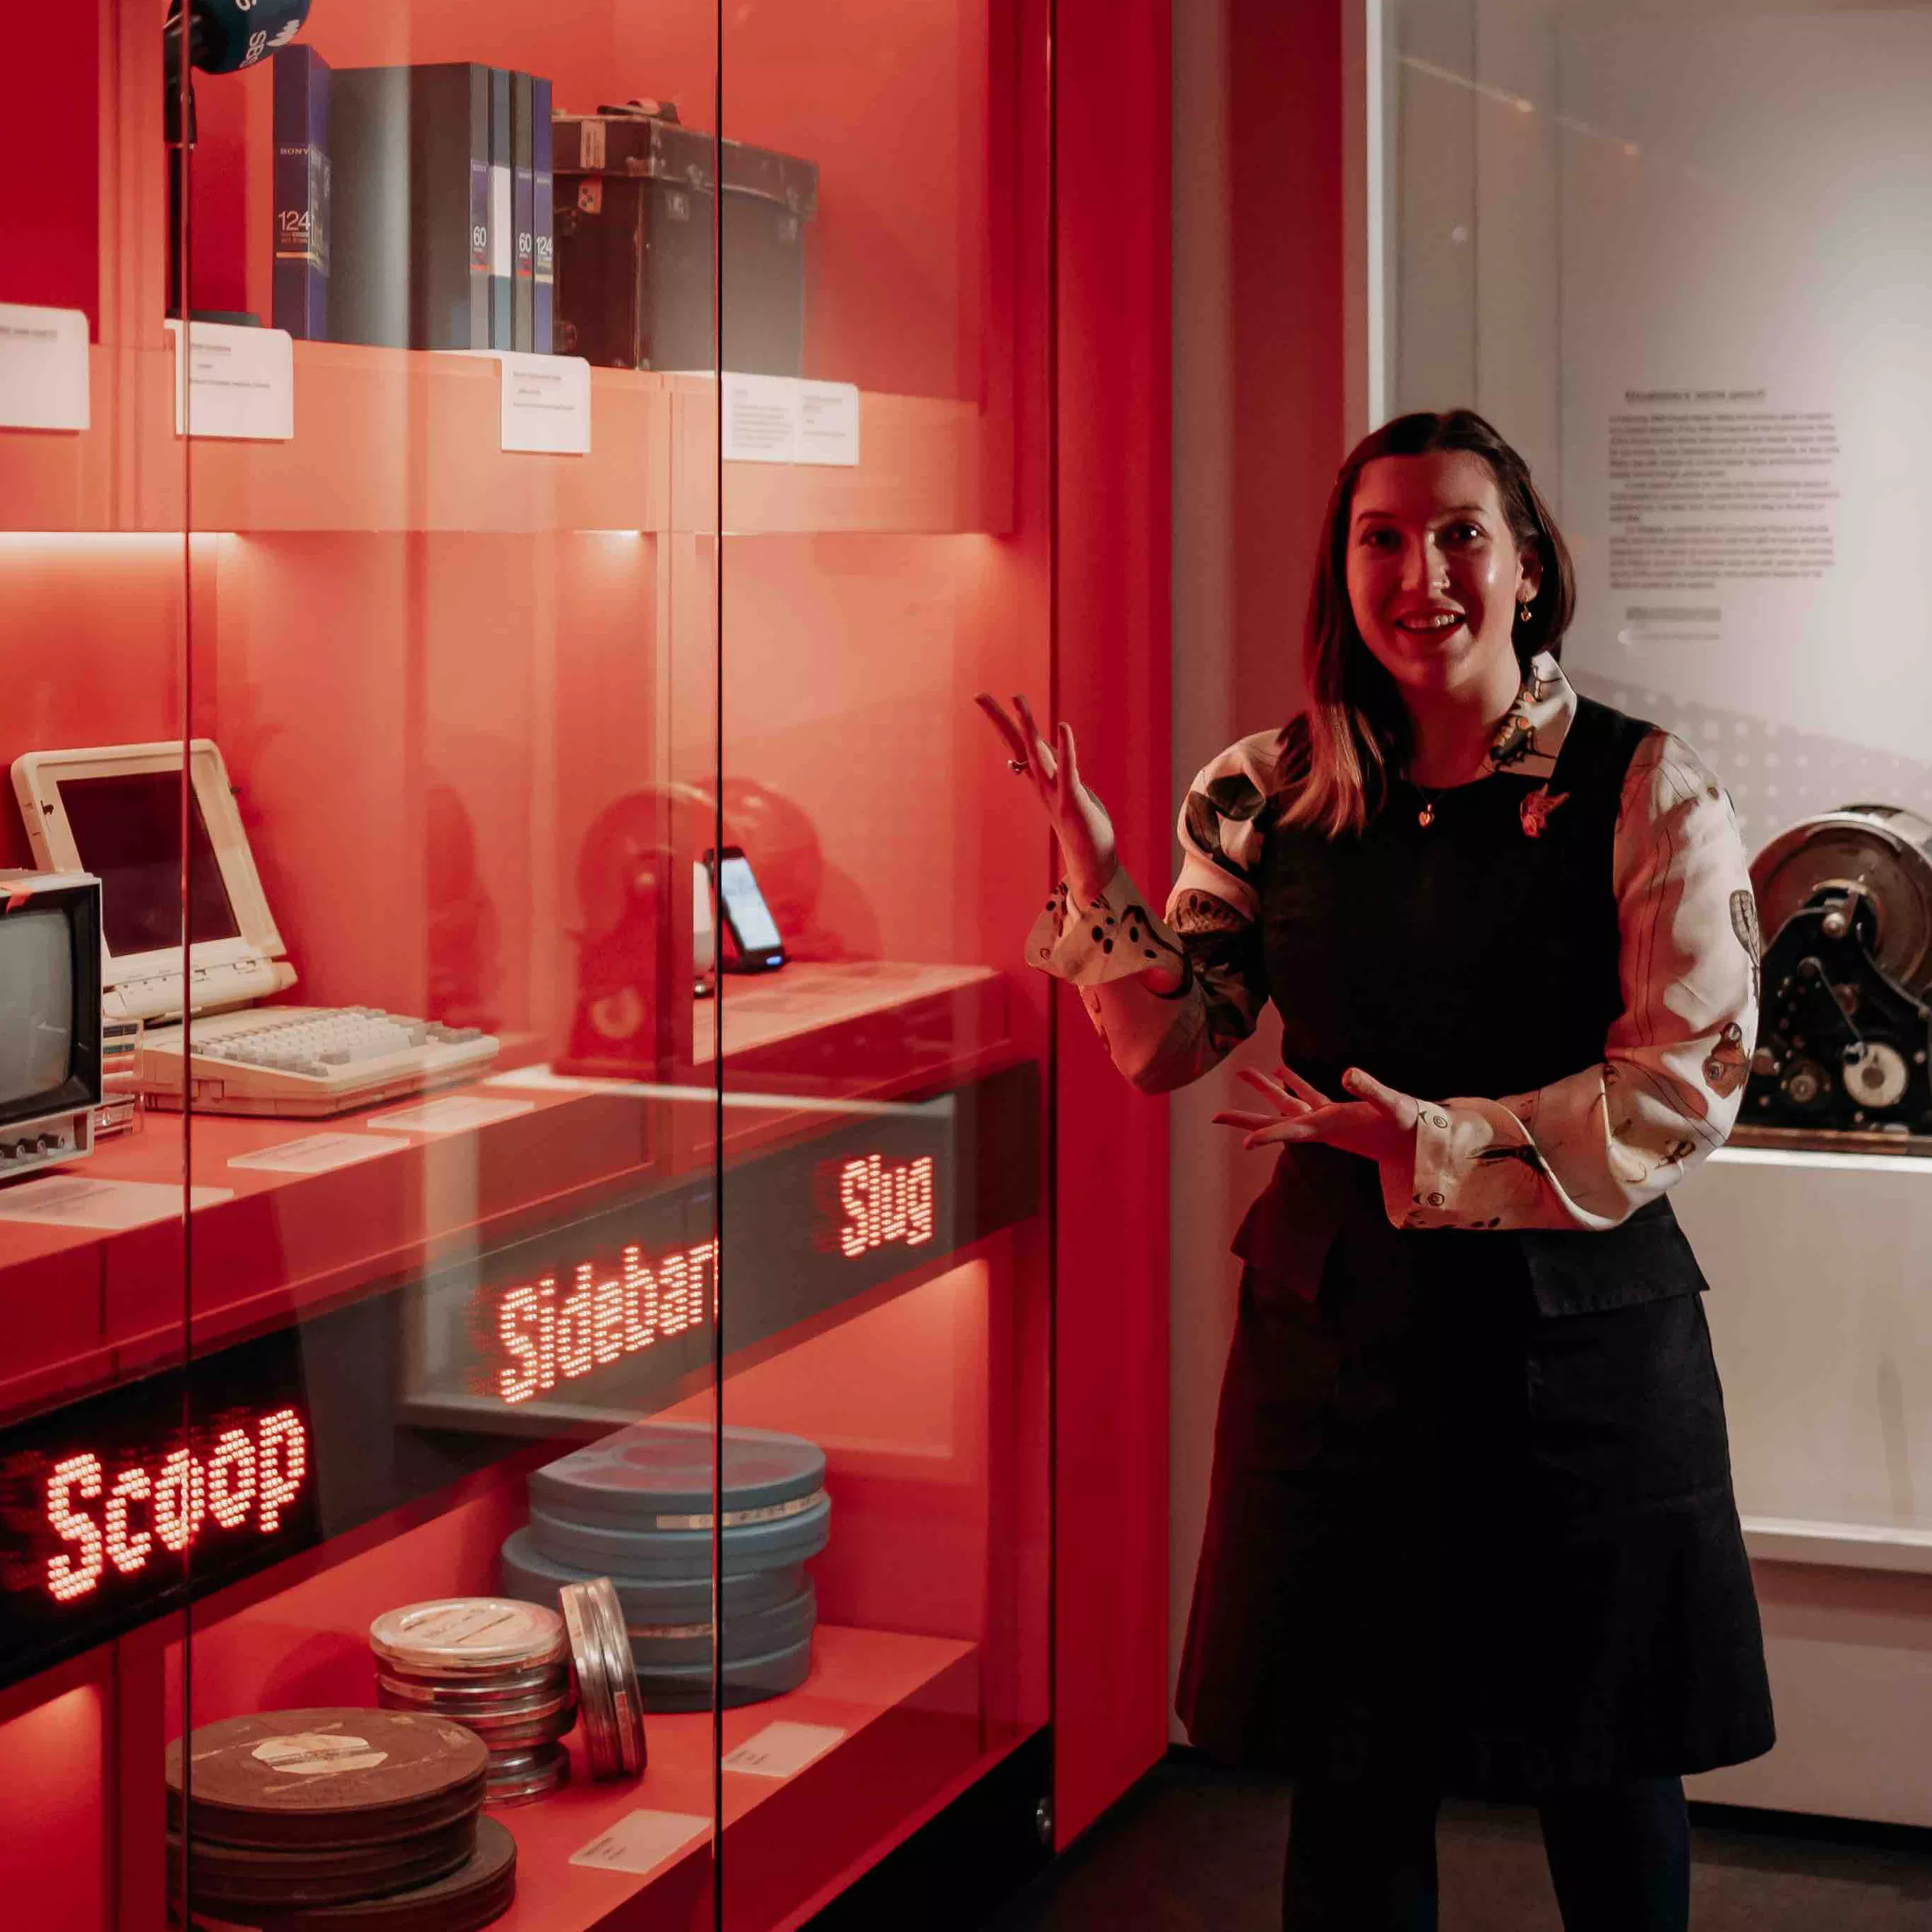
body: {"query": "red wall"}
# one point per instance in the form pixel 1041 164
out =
pixel 50 163
pixel 1111 1356
pixel 1261 382
pixel 1284 129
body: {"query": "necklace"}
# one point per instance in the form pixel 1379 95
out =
pixel 1425 817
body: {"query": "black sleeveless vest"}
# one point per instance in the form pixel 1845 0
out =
pixel 1471 956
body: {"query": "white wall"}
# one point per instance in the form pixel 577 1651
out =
pixel 1202 1170
pixel 1823 1335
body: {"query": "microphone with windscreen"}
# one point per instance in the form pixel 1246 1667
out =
pixel 226 35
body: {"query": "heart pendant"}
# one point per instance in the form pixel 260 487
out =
pixel 1427 816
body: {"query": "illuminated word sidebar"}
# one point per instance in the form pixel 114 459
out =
pixel 610 1313
pixel 111 1508
pixel 548 1332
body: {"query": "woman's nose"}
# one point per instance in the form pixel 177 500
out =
pixel 1436 566
pixel 1421 567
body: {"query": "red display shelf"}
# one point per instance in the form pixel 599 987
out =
pixel 808 998
pixel 283 1244
pixel 93 1308
pixel 391 439
pixel 111 475
pixel 907 1706
pixel 928 466
pixel 395 440
pixel 60 480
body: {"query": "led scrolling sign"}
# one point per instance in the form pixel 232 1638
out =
pixel 112 1509
pixel 247 1480
pixel 545 1335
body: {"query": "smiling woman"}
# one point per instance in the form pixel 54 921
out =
pixel 1472 1525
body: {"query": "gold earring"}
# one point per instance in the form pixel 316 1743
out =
pixel 1522 613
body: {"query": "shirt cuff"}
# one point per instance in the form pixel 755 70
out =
pixel 1422 1196
pixel 1110 937
pixel 1398 1177
pixel 1475 1167
pixel 1424 1192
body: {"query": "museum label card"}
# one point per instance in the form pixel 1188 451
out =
pixel 456 1114
pixel 761 418
pixel 546 402
pixel 43 367
pixel 241 383
pixel 317 1153
pixel 640 1841
pixel 828 423
pixel 781 419
pixel 783 1749
pixel 104 1206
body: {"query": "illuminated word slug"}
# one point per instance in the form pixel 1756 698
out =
pixel 884 1203
pixel 550 1338
pixel 248 1476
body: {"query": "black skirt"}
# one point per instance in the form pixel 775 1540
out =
pixel 1452 1535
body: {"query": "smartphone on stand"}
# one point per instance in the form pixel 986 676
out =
pixel 756 946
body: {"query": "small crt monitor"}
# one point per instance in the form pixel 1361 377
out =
pixel 50 1018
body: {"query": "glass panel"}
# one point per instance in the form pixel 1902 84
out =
pixel 1679 255
pixel 453 642
pixel 95 605
pixel 885 1277
pixel 418 790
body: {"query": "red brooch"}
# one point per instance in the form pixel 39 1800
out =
pixel 1536 808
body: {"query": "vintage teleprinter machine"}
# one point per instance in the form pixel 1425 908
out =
pixel 1845 903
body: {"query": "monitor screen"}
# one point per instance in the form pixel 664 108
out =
pixel 36 1004
pixel 126 829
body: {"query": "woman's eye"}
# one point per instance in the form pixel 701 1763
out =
pixel 1463 533
pixel 1377 539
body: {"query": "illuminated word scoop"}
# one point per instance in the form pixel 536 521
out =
pixel 247 1479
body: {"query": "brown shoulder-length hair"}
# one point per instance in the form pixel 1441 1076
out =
pixel 1342 752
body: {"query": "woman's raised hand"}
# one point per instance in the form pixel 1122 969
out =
pixel 1079 819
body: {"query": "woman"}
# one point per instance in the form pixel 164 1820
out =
pixel 1472 1525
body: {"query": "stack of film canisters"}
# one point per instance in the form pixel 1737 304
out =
pixel 606 1684
pixel 306 1821
pixel 637 1507
pixel 500 1668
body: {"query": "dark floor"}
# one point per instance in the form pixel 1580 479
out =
pixel 1196 1848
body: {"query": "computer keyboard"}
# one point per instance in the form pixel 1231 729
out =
pixel 306 1059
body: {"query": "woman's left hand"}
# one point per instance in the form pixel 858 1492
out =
pixel 1378 1124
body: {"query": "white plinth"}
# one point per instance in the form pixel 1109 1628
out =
pixel 1821 1309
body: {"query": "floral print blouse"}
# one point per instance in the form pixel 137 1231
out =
pixel 1584 1152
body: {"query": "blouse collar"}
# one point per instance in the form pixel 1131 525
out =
pixel 1527 741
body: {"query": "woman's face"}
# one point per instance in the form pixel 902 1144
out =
pixel 1434 574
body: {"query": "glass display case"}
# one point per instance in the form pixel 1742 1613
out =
pixel 504 510
pixel 1679 256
